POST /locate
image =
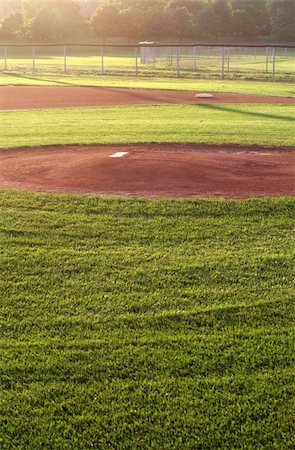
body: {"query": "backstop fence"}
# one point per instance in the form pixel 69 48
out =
pixel 152 59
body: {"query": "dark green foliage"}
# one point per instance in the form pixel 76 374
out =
pixel 151 19
pixel 128 324
pixel 282 17
pixel 250 18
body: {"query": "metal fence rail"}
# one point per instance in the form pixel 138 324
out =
pixel 176 60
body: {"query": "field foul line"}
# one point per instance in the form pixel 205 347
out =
pixel 118 155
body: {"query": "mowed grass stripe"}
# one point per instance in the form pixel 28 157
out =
pixel 146 324
pixel 239 87
pixel 268 125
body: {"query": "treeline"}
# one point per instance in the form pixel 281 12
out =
pixel 194 20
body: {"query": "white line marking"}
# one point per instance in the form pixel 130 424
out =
pixel 118 155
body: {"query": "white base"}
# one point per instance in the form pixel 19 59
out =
pixel 118 155
pixel 204 95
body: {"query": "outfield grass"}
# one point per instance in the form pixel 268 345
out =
pixel 239 87
pixel 206 64
pixel 212 124
pixel 132 324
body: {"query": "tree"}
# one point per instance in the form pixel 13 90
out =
pixel 179 22
pixel 222 18
pixel 88 7
pixel 9 6
pixel 70 19
pixel 53 19
pixel 31 7
pixel 193 6
pixel 13 26
pixel 206 22
pixel 250 18
pixel 282 18
pixel 132 23
pixel 105 21
pixel 153 22
pixel 44 26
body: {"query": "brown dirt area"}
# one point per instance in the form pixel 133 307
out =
pixel 152 171
pixel 33 97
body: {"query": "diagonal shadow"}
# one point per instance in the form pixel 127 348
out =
pixel 247 113
pixel 66 83
pixel 31 77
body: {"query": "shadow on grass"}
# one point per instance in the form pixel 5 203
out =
pixel 56 82
pixel 247 113
pixel 36 78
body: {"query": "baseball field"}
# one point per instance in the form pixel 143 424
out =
pixel 147 264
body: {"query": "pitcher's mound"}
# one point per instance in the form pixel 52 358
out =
pixel 152 171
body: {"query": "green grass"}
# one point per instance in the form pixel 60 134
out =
pixel 132 324
pixel 206 65
pixel 212 124
pixel 240 87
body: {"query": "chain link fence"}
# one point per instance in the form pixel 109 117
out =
pixel 150 59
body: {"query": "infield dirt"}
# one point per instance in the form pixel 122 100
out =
pixel 152 171
pixel 33 97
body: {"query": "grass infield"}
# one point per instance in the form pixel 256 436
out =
pixel 132 324
pixel 267 125
pixel 146 324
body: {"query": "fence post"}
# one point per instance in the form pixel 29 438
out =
pixel 34 59
pixel 177 60
pixel 195 57
pixel 102 61
pixel 266 61
pixel 273 63
pixel 5 58
pixel 228 54
pixel 65 59
pixel 136 61
pixel 222 62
